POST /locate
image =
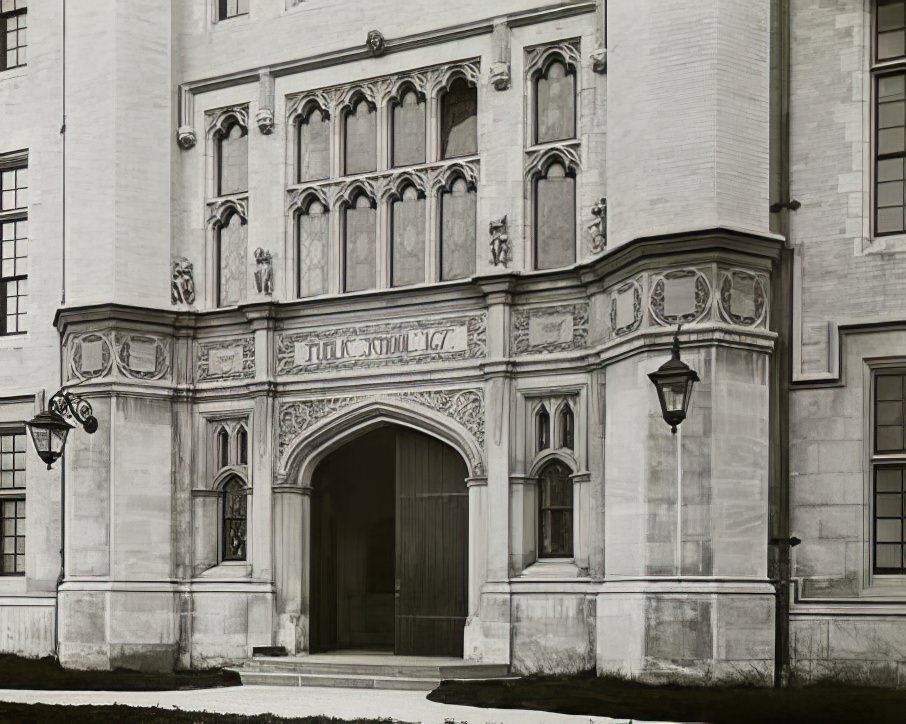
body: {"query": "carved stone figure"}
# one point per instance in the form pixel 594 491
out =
pixel 182 284
pixel 599 60
pixel 265 120
pixel 375 42
pixel 264 271
pixel 500 76
pixel 185 137
pixel 500 242
pixel 598 227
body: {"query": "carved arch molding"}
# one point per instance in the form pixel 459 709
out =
pixel 465 407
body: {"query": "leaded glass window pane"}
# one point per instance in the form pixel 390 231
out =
pixel 567 428
pixel 890 420
pixel 556 512
pixel 234 503
pixel 891 29
pixel 555 219
pixel 233 161
pixel 409 130
pixel 232 250
pixel 361 139
pixel 457 238
pixel 459 120
pixel 889 519
pixel 314 147
pixel 313 240
pixel 13 189
pixel 12 540
pixel 542 430
pixel 408 239
pixel 223 448
pixel 13 25
pixel 360 241
pixel 555 104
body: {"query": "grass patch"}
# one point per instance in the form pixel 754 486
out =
pixel 610 697
pixel 42 713
pixel 47 674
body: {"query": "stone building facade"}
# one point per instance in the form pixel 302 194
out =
pixel 365 302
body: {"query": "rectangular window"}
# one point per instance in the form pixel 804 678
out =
pixel 13 245
pixel 12 502
pixel 232 8
pixel 12 33
pixel 889 88
pixel 889 473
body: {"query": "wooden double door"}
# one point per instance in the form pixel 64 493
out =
pixel 390 546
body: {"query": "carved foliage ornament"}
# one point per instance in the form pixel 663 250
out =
pixel 743 298
pixel 680 296
pixel 626 308
pixel 217 120
pixel 465 407
pixel 540 330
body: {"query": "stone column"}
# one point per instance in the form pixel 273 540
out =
pixel 292 528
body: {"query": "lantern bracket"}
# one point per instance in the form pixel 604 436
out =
pixel 73 407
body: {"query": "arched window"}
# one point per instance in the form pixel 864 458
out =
pixel 408 257
pixel 459 120
pixel 232 160
pixel 555 103
pixel 542 429
pixel 555 218
pixel 313 234
pixel 242 446
pixel 409 130
pixel 555 511
pixel 223 448
pixel 232 247
pixel 457 232
pixel 360 139
pixel 314 145
pixel 566 424
pixel 233 506
pixel 359 245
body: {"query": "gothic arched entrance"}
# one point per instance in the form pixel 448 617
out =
pixel 389 545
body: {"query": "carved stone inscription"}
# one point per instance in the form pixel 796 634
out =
pixel 229 360
pixel 403 342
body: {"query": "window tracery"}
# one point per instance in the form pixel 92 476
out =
pixel 416 174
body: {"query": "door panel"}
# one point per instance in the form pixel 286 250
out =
pixel 432 547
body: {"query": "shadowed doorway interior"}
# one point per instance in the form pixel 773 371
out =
pixel 389 546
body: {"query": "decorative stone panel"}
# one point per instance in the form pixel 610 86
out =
pixel 95 355
pixel 402 342
pixel 626 308
pixel 232 359
pixel 540 330
pixel 680 296
pixel 465 407
pixel 743 298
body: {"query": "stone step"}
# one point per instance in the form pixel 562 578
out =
pixel 301 667
pixel 266 678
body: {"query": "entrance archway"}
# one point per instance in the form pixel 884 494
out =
pixel 389 545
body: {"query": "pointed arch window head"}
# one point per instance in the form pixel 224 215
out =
pixel 359 245
pixel 408 238
pixel 223 448
pixel 459 120
pixel 555 511
pixel 313 230
pixel 232 160
pixel 314 145
pixel 234 519
pixel 542 429
pixel 409 129
pixel 555 103
pixel 242 446
pixel 555 217
pixel 567 425
pixel 457 232
pixel 360 138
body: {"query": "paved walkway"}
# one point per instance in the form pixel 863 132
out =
pixel 404 706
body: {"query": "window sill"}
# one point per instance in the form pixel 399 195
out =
pixel 228 570
pixel 10 73
pixel 892 244
pixel 552 568
pixel 17 340
pixel 12 584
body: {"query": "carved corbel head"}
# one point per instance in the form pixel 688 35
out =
pixel 186 138
pixel 375 42
pixel 265 120
pixel 500 76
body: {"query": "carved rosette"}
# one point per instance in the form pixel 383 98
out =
pixel 225 360
pixel 465 407
pixel 543 330
pixel 619 324
pixel 700 302
pixel 743 298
